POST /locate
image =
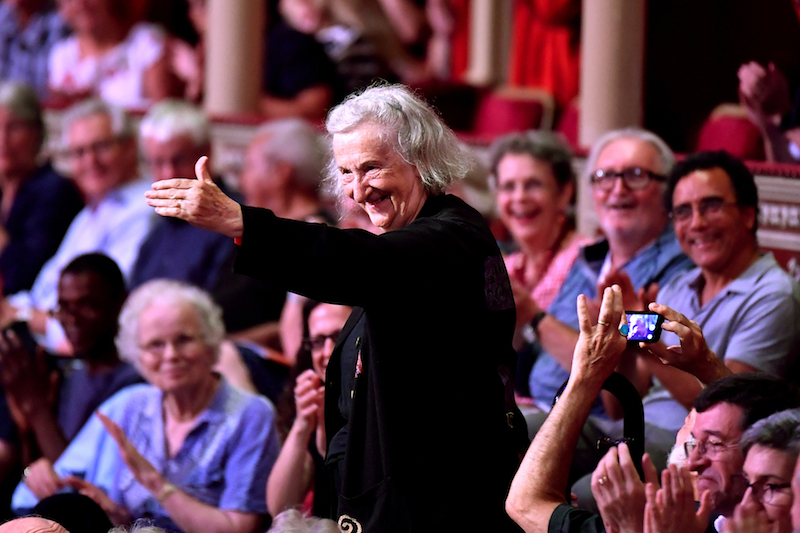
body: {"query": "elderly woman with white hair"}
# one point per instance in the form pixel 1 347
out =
pixel 36 203
pixel 188 450
pixel 422 429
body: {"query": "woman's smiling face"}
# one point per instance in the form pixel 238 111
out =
pixel 377 178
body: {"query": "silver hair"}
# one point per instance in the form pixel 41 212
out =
pixel 172 117
pixel 170 292
pixel 411 127
pixel 142 525
pixel 779 431
pixel 296 142
pixel 665 154
pixel 21 101
pixel 544 146
pixel 121 125
pixel 293 521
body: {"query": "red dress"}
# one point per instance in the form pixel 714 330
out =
pixel 545 47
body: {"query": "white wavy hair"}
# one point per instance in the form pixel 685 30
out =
pixel 412 128
pixel 170 292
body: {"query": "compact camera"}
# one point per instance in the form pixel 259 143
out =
pixel 644 326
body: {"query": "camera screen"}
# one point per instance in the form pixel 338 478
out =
pixel 642 327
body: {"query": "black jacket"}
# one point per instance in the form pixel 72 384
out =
pixel 429 443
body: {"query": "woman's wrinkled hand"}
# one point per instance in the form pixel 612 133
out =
pixel 42 479
pixel 199 202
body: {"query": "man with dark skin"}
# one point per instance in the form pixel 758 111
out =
pixel 48 400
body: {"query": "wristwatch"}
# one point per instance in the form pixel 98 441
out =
pixel 537 318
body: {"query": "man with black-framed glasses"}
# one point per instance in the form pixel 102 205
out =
pixel 626 169
pixel 738 311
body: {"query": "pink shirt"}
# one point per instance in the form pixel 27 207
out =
pixel 549 283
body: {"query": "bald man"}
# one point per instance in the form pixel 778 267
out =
pixel 32 524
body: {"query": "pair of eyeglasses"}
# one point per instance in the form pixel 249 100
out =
pixel 180 343
pixel 778 494
pixel 635 178
pixel 179 160
pixel 710 448
pixel 707 208
pixel 97 148
pixel 318 342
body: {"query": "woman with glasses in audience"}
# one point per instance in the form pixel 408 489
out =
pixel 771 447
pixel 300 465
pixel 534 183
pixel 36 203
pixel 188 451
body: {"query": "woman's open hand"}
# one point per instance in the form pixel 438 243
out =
pixel 142 470
pixel 599 348
pixel 199 202
pixel 42 479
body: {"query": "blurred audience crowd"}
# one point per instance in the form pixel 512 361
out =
pixel 143 379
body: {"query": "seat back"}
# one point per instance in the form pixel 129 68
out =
pixel 728 128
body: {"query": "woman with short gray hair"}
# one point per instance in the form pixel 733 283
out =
pixel 534 185
pixel 37 203
pixel 187 450
pixel 432 324
pixel 771 448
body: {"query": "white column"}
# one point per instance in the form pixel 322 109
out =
pixel 489 41
pixel 612 66
pixel 234 62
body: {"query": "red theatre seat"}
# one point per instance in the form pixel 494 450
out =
pixel 511 110
pixel 728 128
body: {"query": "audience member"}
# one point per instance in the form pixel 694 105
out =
pixel 746 305
pixel 140 526
pixel 545 50
pixel 627 170
pixel 395 158
pixel 299 78
pixel 188 450
pixel 32 524
pixel 536 500
pixel 188 61
pixel 282 171
pixel 28 30
pixel 48 413
pixel 795 511
pixel 725 409
pixel 770 447
pixel 301 464
pixel 109 57
pixel 174 134
pixel 36 203
pixel 764 93
pixel 535 188
pixel 292 521
pixel 338 26
pixel 738 311
pixel 101 148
